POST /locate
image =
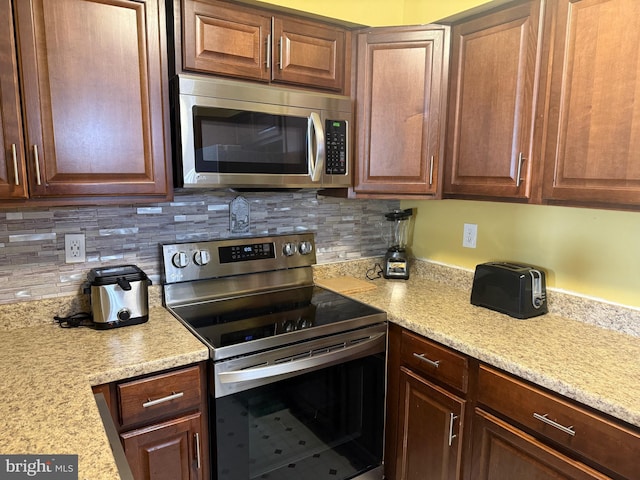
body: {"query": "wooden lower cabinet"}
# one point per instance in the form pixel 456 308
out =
pixel 430 430
pixel 451 417
pixel 167 451
pixel 501 451
pixel 162 421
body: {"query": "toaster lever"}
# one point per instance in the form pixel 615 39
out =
pixel 123 283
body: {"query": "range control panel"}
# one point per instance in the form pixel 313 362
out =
pixel 224 258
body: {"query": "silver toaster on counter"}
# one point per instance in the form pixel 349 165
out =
pixel 516 289
pixel 118 295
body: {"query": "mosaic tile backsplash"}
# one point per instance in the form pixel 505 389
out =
pixel 32 259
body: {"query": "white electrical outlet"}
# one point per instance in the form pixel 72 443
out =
pixel 74 248
pixel 470 235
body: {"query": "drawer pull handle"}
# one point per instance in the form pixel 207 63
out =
pixel 545 419
pixel 433 363
pixel 168 398
pixel 452 418
pixel 197 439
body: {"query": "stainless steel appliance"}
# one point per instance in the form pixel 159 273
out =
pixel 237 134
pixel 298 372
pixel 118 296
pixel 396 260
pixel 516 289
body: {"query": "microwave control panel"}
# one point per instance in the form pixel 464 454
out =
pixel 336 150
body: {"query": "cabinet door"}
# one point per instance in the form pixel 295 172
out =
pixel 491 101
pixel 220 39
pixel 401 88
pixel 95 96
pixel 430 430
pixel 166 451
pixel 592 151
pixel 308 54
pixel 501 451
pixel 12 169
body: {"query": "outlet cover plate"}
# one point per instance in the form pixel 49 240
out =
pixel 74 248
pixel 470 235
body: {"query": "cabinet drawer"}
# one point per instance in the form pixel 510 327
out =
pixel 161 395
pixel 591 436
pixel 435 361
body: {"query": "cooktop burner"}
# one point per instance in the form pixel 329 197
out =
pixel 245 295
pixel 291 315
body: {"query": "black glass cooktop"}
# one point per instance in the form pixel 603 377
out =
pixel 267 320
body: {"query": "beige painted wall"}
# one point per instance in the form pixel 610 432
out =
pixel 587 251
pixel 381 12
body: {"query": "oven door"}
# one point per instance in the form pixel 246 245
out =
pixel 312 411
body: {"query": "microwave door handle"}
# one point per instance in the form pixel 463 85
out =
pixel 315 147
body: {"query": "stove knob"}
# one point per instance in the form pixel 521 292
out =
pixel 289 249
pixel 180 259
pixel 306 248
pixel 124 314
pixel 202 257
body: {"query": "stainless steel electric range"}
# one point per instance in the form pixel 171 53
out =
pixel 298 371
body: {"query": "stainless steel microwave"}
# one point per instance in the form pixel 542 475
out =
pixel 242 135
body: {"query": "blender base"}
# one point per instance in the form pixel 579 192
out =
pixel 396 266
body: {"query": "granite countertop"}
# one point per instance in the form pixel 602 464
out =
pixel 47 405
pixel 596 366
pixel 46 401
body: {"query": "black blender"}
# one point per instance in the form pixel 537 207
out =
pixel 396 261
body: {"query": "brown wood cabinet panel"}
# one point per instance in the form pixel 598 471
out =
pixel 308 54
pixel 95 96
pixel 491 103
pixel 160 395
pixel 225 40
pixel 430 430
pixel 501 451
pixel 592 150
pixel 616 449
pixel 234 40
pixel 435 361
pixel 401 93
pixel 166 451
pixel 13 178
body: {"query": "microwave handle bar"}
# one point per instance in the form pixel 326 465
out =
pixel 315 149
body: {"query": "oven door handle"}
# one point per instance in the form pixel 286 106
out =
pixel 308 361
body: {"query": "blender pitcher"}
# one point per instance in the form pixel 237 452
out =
pixel 396 261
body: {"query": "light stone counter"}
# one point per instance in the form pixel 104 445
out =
pixel 46 402
pixel 593 365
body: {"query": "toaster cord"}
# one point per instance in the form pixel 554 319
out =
pixel 82 319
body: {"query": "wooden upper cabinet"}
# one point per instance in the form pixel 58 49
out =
pixel 592 150
pixel 491 104
pixel 401 95
pixel 218 38
pixel 12 164
pixel 309 54
pixel 94 86
pixel 232 40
